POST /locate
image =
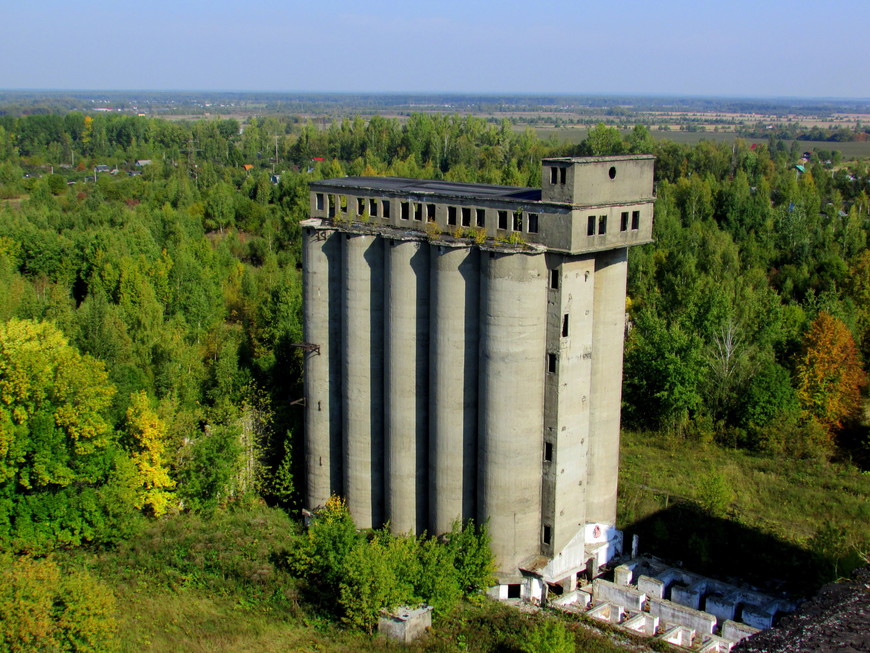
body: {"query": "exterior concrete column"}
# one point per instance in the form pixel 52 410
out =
pixel 512 362
pixel 406 384
pixel 363 372
pixel 321 289
pixel 608 336
pixel 453 385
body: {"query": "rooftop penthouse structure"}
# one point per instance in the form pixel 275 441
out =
pixel 464 356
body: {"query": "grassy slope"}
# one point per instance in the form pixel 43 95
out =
pixel 779 505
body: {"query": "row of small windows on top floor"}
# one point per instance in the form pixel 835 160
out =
pixel 456 216
pixel 601 222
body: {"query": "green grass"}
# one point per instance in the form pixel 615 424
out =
pixel 783 512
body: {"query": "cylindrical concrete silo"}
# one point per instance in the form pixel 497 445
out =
pixel 406 382
pixel 608 332
pixel 321 290
pixel 513 297
pixel 453 384
pixel 363 374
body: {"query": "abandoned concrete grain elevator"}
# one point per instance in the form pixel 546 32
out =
pixel 464 348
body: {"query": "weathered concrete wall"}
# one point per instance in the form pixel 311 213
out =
pixel 321 290
pixel 512 357
pixel 406 385
pixel 673 613
pixel 651 587
pixel 627 597
pixel 453 384
pixel 734 632
pixel 606 386
pixel 363 373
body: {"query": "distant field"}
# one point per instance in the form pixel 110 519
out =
pixel 850 150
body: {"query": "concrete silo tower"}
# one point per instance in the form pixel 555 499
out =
pixel 464 357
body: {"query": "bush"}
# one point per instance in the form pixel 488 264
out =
pixel 47 608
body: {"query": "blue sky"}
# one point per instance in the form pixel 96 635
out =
pixel 669 47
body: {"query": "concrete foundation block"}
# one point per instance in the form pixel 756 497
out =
pixel 406 624
pixel 688 596
pixel 757 617
pixel 622 575
pixel 673 613
pixel 651 587
pixel 713 644
pixel 679 635
pixel 643 624
pixel 627 597
pixel 734 632
pixel 606 612
pixel 722 607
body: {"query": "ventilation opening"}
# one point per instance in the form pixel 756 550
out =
pixel 481 217
pixel 612 172
pixel 551 363
pixel 451 215
pixel 565 325
pixel 533 223
pixel 514 591
pixel 502 219
pixel 555 589
pixel 548 452
pixel 554 279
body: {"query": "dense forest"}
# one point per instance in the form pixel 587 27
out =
pixel 150 301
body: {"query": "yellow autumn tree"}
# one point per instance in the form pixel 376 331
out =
pixel 147 441
pixel 830 376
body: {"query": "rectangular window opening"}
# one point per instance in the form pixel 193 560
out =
pixel 332 206
pixel 548 534
pixel 635 220
pixel 554 279
pixel 551 362
pixel 623 221
pixel 533 223
pixel 342 203
pixel 373 208
pixel 360 206
pixel 430 213
pixel 563 175
pixel 318 199
pixel 514 591
pixel 466 216
pixel 602 225
pixel 386 205
pixel 554 175
pixel 406 211
pixel 418 212
pixel 565 325
pixel 480 217
pixel 548 452
pixel 502 219
pixel 590 226
pixel 451 215
pixel 518 221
